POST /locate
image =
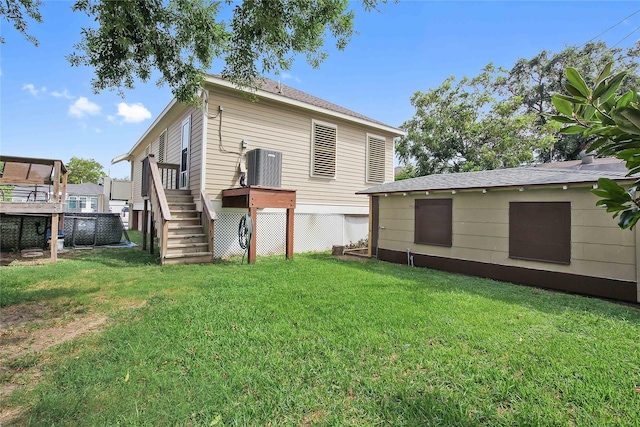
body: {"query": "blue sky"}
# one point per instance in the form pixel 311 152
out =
pixel 47 107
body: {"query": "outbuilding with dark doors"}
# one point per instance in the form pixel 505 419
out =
pixel 534 225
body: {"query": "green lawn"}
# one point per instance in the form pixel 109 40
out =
pixel 321 341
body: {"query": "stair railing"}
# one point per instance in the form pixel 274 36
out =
pixel 160 214
pixel 209 215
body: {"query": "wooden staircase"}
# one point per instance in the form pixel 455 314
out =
pixel 186 238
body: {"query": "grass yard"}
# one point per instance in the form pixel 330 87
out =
pixel 312 341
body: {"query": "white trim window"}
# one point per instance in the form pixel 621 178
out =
pixel 184 153
pixel 324 138
pixel 376 147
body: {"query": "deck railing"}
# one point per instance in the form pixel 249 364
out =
pixel 208 218
pixel 160 214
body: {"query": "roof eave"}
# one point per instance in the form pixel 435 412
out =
pixel 274 97
pixel 495 187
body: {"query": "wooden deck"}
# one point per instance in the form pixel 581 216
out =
pixel 47 177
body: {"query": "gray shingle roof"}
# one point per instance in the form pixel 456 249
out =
pixel 514 177
pixel 84 189
pixel 285 91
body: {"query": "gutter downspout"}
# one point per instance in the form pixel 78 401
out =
pixel 203 160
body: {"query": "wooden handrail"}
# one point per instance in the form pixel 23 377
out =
pixel 160 213
pixel 159 189
pixel 207 206
pixel 209 216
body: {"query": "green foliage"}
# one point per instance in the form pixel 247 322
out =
pixel 181 38
pixel 6 193
pixel 500 117
pixel 407 172
pixel 84 170
pixel 538 78
pixel 17 12
pixel 612 122
pixel 465 126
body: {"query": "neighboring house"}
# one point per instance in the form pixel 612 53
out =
pixel 530 225
pixel 110 196
pixel 86 198
pixel 119 194
pixel 328 153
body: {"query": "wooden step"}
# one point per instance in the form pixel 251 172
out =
pixel 187 198
pixel 192 258
pixel 182 206
pixel 186 237
pixel 184 213
pixel 186 248
pixel 177 229
pixel 176 191
pixel 183 222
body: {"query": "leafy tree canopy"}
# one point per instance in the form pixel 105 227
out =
pixel 84 170
pixel 612 121
pixel 499 118
pixel 181 38
pixel 407 172
pixel 465 126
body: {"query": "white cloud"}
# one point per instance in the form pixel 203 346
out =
pixel 133 113
pixel 287 76
pixel 82 107
pixel 33 90
pixel 64 94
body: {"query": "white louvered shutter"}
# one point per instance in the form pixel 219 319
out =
pixel 375 159
pixel 162 142
pixel 324 151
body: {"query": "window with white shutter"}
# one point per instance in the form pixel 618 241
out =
pixel 375 158
pixel 323 150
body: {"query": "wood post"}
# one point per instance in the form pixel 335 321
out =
pixel 145 222
pixel 54 237
pixel 255 198
pixel 252 245
pixel 289 244
pixel 55 218
pixel 151 233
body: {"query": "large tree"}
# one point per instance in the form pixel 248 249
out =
pixel 463 126
pixel 84 170
pixel 180 38
pixel 499 118
pixel 535 80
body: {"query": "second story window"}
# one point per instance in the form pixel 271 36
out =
pixel 323 150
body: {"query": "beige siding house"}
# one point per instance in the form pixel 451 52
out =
pixel 328 154
pixel 531 225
